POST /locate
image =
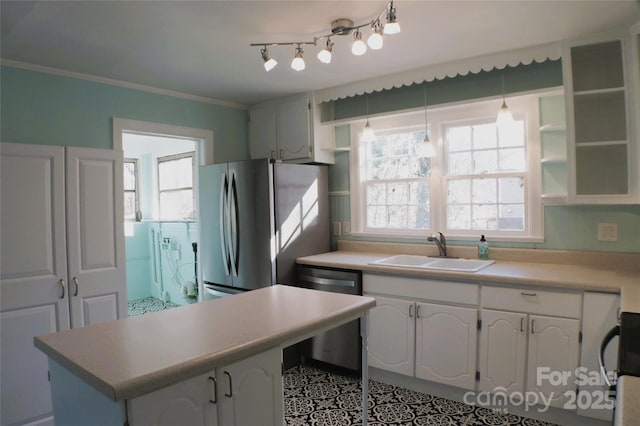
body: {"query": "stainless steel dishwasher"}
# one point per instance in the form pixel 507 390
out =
pixel 340 346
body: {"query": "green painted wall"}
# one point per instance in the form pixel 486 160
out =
pixel 48 109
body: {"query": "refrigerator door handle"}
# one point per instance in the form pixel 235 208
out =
pixel 224 206
pixel 235 226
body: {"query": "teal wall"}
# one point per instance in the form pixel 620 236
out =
pixel 565 227
pixel 138 261
pixel 48 109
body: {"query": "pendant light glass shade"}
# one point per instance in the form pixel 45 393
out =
pixel 298 61
pixel 505 118
pixel 358 47
pixel 368 134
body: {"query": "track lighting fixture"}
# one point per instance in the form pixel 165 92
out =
pixel 386 22
pixel 269 62
pixel 358 47
pixel 324 55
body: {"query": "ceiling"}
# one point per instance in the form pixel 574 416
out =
pixel 201 48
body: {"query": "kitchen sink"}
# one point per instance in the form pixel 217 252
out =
pixel 441 263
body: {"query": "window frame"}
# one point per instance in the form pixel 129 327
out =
pixel 174 157
pixel 524 106
pixel 136 191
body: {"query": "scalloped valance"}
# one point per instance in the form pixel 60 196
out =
pixel 461 67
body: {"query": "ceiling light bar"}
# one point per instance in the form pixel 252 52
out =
pixel 339 27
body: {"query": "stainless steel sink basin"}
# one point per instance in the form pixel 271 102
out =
pixel 442 263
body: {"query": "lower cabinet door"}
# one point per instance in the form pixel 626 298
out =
pixel 189 403
pixel 446 338
pixel 503 351
pixel 553 357
pixel 391 340
pixel 250 391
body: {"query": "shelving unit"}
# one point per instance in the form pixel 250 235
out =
pixel 553 138
pixel 600 140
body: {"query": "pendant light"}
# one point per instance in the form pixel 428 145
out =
pixel 504 120
pixel 368 134
pixel 427 149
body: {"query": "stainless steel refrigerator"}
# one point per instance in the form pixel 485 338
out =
pixel 256 218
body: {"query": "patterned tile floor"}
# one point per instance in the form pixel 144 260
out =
pixel 314 397
pixel 148 304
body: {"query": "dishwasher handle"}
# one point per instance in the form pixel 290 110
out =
pixel 615 331
pixel 326 281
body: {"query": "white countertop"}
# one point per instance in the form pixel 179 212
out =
pixel 627 401
pixel 573 277
pixel 134 356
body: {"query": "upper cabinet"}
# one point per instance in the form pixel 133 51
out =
pixel 602 144
pixel 289 130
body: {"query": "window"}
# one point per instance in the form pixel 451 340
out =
pixel 131 185
pixel 485 177
pixel 481 181
pixel 396 178
pixel 175 186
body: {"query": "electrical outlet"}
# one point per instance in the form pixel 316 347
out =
pixel 607 232
pixel 337 228
pixel 346 227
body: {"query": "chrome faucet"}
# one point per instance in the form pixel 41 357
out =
pixel 441 243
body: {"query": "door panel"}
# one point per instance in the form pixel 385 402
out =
pixel 553 345
pixel 503 341
pixel 99 308
pixel 33 259
pixel 391 342
pixel 25 384
pixel 95 227
pixel 446 344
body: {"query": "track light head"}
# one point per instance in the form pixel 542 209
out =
pixel 391 26
pixel 358 47
pixel 269 62
pixel 324 55
pixel 298 61
pixel 375 40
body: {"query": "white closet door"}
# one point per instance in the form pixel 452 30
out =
pixel 95 228
pixel 33 258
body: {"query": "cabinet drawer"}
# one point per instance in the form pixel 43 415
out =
pixel 418 288
pixel 532 301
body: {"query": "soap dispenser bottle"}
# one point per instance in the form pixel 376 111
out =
pixel 483 248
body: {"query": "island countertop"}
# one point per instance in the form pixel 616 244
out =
pixel 134 356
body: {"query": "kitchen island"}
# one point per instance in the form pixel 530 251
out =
pixel 118 372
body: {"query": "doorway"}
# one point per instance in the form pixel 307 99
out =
pixel 161 220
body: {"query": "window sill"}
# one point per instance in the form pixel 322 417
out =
pixel 412 237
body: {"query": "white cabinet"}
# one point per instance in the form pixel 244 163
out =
pixel 603 156
pixel 520 342
pixel 289 130
pixel 391 338
pixel 446 339
pixel 62 260
pixel 553 141
pixel 432 341
pixel 247 392
pixel 600 314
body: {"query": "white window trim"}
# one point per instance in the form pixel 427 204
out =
pixel 136 191
pixel 526 106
